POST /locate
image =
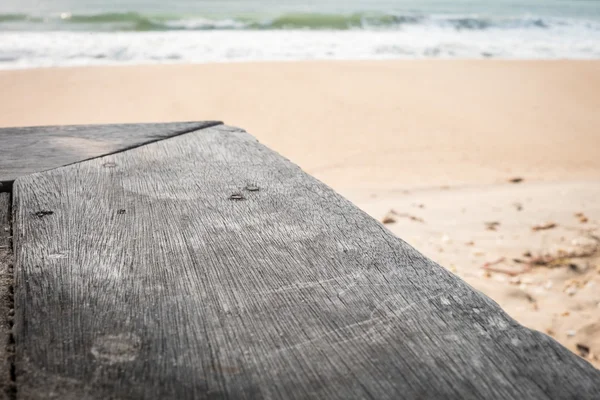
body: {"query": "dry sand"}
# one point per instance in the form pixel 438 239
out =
pixel 435 141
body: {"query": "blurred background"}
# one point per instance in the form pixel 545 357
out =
pixel 56 33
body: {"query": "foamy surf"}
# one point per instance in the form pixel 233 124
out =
pixel 73 39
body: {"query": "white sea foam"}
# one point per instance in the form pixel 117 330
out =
pixel 433 37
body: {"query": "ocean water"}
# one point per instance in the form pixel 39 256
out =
pixel 37 33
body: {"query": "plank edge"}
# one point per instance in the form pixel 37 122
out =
pixel 6 186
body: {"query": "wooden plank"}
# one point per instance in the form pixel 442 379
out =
pixel 207 266
pixel 7 385
pixel 27 150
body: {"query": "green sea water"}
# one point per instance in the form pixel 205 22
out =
pixel 86 32
pixel 270 14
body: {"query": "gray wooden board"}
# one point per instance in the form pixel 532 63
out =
pixel 288 291
pixel 6 299
pixel 33 149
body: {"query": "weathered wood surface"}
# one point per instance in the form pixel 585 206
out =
pixel 33 149
pixel 6 299
pixel 207 266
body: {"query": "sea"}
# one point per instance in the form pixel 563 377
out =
pixel 44 33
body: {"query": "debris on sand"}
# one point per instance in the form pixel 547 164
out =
pixel 490 263
pixel 518 206
pixel 546 260
pixel 583 350
pixel 559 258
pixel 562 258
pixel 517 179
pixel 582 218
pixel 506 271
pixel 571 290
pixel 388 219
pixel 515 280
pixel 492 226
pixel 393 213
pixel 543 227
pixel 573 285
pixel 490 267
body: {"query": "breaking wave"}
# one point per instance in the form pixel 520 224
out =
pixel 133 21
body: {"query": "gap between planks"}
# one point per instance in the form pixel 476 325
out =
pixel 7 184
pixel 7 353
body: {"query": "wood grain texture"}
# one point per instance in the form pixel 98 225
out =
pixel 6 299
pixel 33 149
pixel 207 266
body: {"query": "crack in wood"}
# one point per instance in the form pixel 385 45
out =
pixel 208 124
pixel 24 158
pixel 7 356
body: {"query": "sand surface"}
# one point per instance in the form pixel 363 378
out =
pixel 435 141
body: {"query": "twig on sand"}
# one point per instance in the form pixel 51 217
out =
pixel 489 266
pixel 561 258
pixel 558 259
pixel 490 263
pixel 543 227
pixel 492 226
pixel 405 215
pixel 389 218
pixel 506 271
pixel 583 350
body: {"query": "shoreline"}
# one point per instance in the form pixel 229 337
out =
pixel 424 59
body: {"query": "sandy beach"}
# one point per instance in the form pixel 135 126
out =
pixel 490 168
